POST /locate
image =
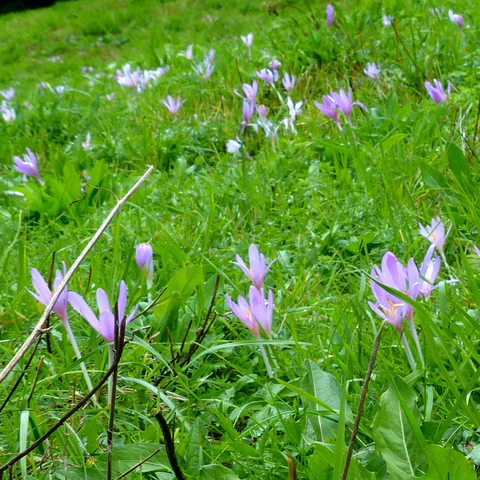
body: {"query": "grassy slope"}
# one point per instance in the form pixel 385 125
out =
pixel 327 204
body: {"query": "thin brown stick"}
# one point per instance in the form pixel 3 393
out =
pixel 363 395
pixel 169 446
pixel 139 464
pixel 41 323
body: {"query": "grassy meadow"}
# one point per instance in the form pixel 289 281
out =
pixel 324 196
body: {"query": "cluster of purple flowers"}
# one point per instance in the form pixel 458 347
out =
pixel 257 311
pixel 138 78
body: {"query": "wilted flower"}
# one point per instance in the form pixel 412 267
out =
pixel 387 20
pixel 8 94
pixel 44 294
pixel 173 105
pixel 258 268
pixel 27 166
pixel 436 92
pixel 254 313
pixel 144 259
pixel 105 323
pixel 455 18
pixel 435 232
pixel 266 75
pixel 288 81
pixel 247 39
pixel 372 71
pixel 8 114
pixel 330 14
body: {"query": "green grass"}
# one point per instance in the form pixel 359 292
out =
pixel 326 203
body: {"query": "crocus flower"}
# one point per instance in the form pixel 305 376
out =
pixel 255 313
pixel 144 259
pixel 244 313
pixel 105 323
pixel 329 108
pixel 477 250
pixel 86 142
pixel 250 91
pixel 234 146
pixel 274 64
pixel 129 79
pixel 288 81
pixel 455 18
pixel 173 105
pixel 247 39
pixel 266 75
pixel 60 89
pixel 372 71
pixel 435 232
pixel 43 293
pixel 8 94
pixel 8 114
pixel 429 271
pixel 189 53
pixel 387 20
pixel 258 268
pixel 392 274
pixel 436 92
pixel 344 102
pixel 27 166
pixel 262 111
pixel 330 14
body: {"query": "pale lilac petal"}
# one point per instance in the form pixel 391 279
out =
pixel 82 307
pixel 102 301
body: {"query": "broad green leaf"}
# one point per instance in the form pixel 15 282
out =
pixel 216 472
pixel 447 464
pixel 395 439
pixel 325 387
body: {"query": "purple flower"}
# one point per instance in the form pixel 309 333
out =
pixel 372 71
pixel 330 14
pixel 8 94
pixel 329 108
pixel 8 114
pixel 436 92
pixel 262 111
pixel 28 166
pixel 234 146
pixel 144 259
pixel 288 81
pixel 344 102
pixel 255 313
pixel 173 105
pixel 394 275
pixel 258 268
pixel 44 294
pixel 435 232
pixel 105 323
pixel 129 79
pixel 266 75
pixel 477 250
pixel 189 53
pixel 86 142
pixel 60 89
pixel 387 20
pixel 274 64
pixel 247 39
pixel 429 271
pixel 250 91
pixel 455 18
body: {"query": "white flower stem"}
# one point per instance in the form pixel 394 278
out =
pixel 78 355
pixel 417 342
pixel 265 359
pixel 406 346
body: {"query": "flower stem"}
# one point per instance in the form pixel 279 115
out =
pixel 363 395
pixel 417 342
pixel 265 359
pixel 112 387
pixel 406 346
